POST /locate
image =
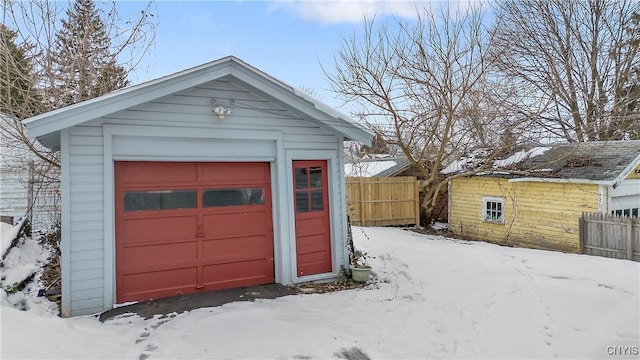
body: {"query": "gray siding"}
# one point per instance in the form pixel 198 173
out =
pixel 86 248
pixel 189 109
pixel 192 108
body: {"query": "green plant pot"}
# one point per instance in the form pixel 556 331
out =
pixel 360 274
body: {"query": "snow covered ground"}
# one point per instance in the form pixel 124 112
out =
pixel 433 298
pixel 20 268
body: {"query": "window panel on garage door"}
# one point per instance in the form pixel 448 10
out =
pixel 232 197
pixel 160 200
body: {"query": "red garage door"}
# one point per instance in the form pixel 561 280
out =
pixel 184 227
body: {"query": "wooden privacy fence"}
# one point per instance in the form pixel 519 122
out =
pixel 383 201
pixel 611 236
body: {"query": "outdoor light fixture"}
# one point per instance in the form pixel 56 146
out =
pixel 220 110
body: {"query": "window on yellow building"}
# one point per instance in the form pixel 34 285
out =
pixel 493 209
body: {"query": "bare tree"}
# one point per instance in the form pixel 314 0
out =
pixel 33 80
pixel 37 27
pixel 378 145
pixel 421 83
pixel 20 98
pixel 580 57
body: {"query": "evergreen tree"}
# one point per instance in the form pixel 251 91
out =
pixel 631 89
pixel 17 92
pixel 84 64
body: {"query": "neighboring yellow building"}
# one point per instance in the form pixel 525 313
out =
pixel 535 197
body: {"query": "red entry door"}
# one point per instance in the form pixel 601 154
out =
pixel 313 230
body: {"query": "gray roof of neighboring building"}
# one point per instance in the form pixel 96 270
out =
pixel 598 161
pixel 602 162
pixel 402 164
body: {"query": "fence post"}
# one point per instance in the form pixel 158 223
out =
pixel 416 194
pixel 581 234
pixel 630 238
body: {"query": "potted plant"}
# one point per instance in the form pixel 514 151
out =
pixel 360 267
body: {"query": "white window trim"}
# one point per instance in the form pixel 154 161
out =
pixel 494 199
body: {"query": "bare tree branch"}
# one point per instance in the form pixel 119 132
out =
pixel 581 57
pixel 422 85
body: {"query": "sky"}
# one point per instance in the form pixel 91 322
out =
pixel 289 40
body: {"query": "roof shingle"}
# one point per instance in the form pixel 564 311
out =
pixel 603 161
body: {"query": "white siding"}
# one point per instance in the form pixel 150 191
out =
pixel 15 172
pixel 625 196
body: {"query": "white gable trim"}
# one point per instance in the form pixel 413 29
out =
pixel 303 105
pixel 623 175
pixel 44 125
pixel 76 114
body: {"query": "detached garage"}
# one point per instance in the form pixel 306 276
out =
pixel 215 177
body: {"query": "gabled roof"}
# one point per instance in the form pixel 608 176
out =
pixel 46 127
pixel 602 162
